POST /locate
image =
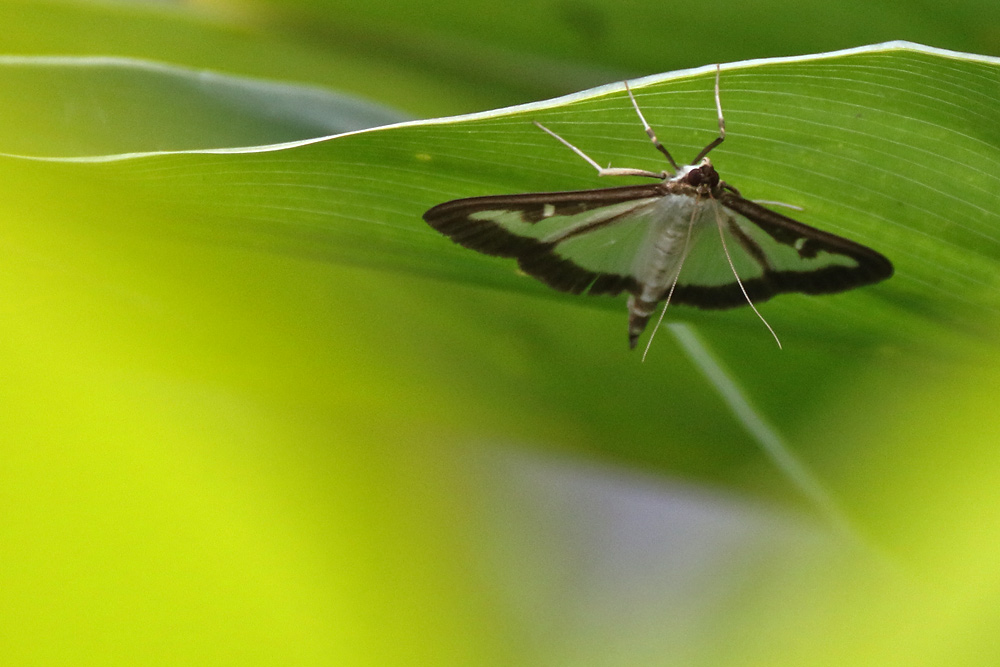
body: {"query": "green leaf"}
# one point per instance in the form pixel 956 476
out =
pixel 264 351
pixel 74 106
pixel 891 146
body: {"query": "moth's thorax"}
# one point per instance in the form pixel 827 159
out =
pixel 701 177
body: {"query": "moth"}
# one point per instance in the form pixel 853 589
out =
pixel 665 241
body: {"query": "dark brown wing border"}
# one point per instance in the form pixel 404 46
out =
pixel 538 258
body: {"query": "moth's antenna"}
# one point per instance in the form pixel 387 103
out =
pixel 649 130
pixel 673 285
pixel 722 120
pixel 722 235
pixel 768 202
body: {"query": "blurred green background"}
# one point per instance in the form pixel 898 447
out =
pixel 254 411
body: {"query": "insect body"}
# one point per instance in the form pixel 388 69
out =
pixel 638 238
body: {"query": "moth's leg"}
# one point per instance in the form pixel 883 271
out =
pixel 605 171
pixel 722 121
pixel 649 130
pixel 727 186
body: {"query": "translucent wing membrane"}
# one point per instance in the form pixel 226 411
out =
pixel 576 242
pixel 626 239
pixel 652 242
pixel 772 255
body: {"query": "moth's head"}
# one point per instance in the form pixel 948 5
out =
pixel 702 175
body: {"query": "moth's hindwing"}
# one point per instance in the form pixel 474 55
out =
pixel 635 239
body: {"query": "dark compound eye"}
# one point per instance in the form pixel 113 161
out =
pixel 704 175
